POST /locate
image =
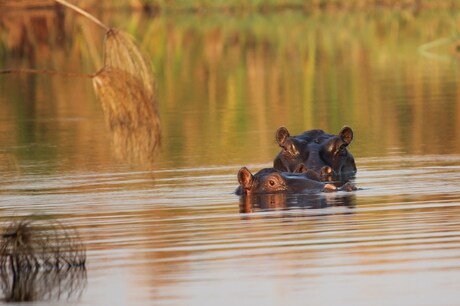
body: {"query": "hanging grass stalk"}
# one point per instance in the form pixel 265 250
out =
pixel 130 113
pixel 121 52
pixel 127 91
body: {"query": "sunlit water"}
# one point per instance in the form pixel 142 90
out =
pixel 180 238
pixel 178 235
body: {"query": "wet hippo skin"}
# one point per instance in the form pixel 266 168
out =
pixel 271 180
pixel 315 149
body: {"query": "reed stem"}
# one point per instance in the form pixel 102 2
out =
pixel 83 12
pixel 50 72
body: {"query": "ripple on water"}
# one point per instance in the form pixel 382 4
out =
pixel 175 231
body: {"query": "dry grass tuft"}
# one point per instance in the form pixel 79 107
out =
pixel 126 89
pixel 41 259
pixel 36 243
pixel 122 53
pixel 131 114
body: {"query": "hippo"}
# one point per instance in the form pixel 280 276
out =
pixel 271 180
pixel 314 150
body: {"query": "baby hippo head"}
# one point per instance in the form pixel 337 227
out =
pixel 270 180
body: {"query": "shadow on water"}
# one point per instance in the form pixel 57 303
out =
pixel 270 202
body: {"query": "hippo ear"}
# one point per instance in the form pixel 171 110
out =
pixel 245 178
pixel 284 141
pixel 346 134
pixel 281 135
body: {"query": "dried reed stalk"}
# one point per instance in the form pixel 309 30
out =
pixel 131 114
pixel 83 12
pixel 127 91
pixel 122 53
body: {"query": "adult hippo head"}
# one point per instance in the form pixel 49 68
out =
pixel 315 150
pixel 270 180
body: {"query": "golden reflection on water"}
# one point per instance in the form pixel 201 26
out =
pixel 181 235
pixel 230 81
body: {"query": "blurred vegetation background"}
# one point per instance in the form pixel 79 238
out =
pixel 245 4
pixel 228 77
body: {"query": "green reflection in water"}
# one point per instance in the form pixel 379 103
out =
pixel 227 81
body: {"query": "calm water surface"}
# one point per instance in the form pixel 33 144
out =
pixel 178 235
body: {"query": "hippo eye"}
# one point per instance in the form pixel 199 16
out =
pixel 342 150
pixel 274 183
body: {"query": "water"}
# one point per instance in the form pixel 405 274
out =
pixel 178 235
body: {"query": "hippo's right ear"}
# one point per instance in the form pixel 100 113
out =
pixel 346 134
pixel 281 135
pixel 245 178
pixel 284 141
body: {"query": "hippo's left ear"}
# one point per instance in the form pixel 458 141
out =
pixel 346 134
pixel 245 178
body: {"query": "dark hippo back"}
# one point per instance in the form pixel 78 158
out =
pixel 315 149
